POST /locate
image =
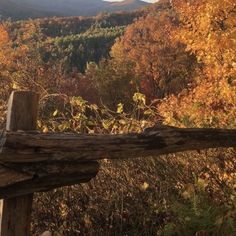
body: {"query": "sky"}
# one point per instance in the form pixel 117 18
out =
pixel 152 1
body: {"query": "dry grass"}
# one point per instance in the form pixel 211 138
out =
pixel 133 197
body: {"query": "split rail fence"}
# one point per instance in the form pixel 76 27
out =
pixel 31 161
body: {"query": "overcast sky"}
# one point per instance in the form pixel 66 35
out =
pixel 122 0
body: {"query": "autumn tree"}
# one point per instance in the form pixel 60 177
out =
pixel 208 29
pixel 112 81
pixel 5 61
pixel 161 65
pixel 22 62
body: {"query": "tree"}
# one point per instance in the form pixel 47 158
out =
pixel 5 61
pixel 161 65
pixel 112 81
pixel 208 29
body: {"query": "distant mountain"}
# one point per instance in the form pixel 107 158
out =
pixel 23 9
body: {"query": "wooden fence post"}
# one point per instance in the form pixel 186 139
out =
pixel 21 115
pixel 1 205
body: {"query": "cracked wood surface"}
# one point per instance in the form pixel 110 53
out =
pixel 35 147
pixel 16 215
pixel 41 161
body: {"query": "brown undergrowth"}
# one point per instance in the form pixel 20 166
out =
pixel 179 194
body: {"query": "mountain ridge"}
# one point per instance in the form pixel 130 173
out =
pixel 24 9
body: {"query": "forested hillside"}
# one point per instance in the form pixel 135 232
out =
pixel 173 63
pixel 73 41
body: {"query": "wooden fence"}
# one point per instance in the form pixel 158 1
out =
pixel 31 161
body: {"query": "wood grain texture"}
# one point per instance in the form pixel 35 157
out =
pixel 21 115
pixel 49 160
pixel 22 111
pixel 49 176
pixel 1 208
pixel 9 176
pixel 16 216
pixel 34 147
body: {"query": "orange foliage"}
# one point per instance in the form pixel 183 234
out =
pixel 4 37
pixel 4 45
pixel 156 57
pixel 208 29
pixel 210 104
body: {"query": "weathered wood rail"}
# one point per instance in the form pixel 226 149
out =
pixel 31 161
pixel 34 147
pixel 42 161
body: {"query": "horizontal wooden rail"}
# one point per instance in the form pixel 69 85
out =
pixel 35 147
pixel 34 161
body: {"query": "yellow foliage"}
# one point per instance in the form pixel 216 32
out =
pixel 208 29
